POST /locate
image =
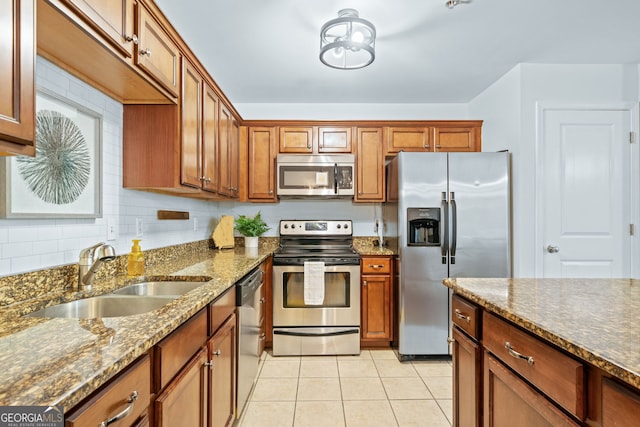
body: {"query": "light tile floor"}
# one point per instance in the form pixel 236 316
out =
pixel 372 389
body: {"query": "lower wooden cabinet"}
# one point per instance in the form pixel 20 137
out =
pixel 467 371
pixel 377 301
pixel 126 396
pixel 184 401
pixel 620 405
pixel 222 374
pixel 509 401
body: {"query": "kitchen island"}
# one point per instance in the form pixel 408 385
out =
pixel 588 325
pixel 61 361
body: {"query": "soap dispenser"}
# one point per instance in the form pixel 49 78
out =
pixel 135 260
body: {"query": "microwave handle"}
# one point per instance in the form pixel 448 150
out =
pixel 335 178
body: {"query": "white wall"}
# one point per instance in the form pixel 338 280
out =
pixel 27 244
pixel 509 109
pixel 354 111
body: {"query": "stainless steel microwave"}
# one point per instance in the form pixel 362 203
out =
pixel 310 175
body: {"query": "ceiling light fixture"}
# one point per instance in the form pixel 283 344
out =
pixel 348 41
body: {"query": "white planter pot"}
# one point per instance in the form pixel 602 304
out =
pixel 250 242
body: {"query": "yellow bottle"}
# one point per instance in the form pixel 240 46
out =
pixel 135 260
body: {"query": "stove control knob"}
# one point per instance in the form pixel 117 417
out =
pixel 339 226
pixel 286 226
pixel 346 226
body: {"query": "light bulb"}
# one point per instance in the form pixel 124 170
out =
pixel 357 37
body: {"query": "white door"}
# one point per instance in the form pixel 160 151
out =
pixel 586 193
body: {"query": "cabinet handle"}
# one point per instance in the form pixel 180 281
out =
pixel 309 145
pixel 376 266
pixel 437 145
pixel 146 51
pixel 450 340
pixel 461 316
pixel 263 300
pixel 209 364
pixel 263 337
pixel 125 412
pixel 270 191
pixel 426 145
pixel 132 38
pixel 364 283
pixel 517 355
pixel 217 352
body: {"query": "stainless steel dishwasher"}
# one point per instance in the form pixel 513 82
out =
pixel 249 315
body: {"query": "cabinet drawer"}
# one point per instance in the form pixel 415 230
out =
pixel 223 307
pixel 376 265
pixel 114 398
pixel 466 315
pixel 557 375
pixel 173 352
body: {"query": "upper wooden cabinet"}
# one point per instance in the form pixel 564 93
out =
pixel 114 20
pixel 369 165
pixel 156 53
pixel 434 136
pixel 315 139
pixel 17 59
pixel 125 48
pixel 261 164
pixel 334 140
pixel 228 153
pixel 299 139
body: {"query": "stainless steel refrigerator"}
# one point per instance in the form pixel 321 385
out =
pixel 446 215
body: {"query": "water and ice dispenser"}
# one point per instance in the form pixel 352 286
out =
pixel 424 226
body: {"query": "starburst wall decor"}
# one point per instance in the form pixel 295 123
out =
pixel 63 178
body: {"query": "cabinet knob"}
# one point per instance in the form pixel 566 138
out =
pixel 209 364
pixel 132 38
pixel 450 340
pixel 146 51
pixel 217 353
pixel 270 191
pixel 263 300
pixel 553 249
pixel 364 283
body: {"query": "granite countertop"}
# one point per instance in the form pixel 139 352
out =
pixel 369 246
pixel 60 361
pixel 594 319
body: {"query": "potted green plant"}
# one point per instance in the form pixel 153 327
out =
pixel 251 229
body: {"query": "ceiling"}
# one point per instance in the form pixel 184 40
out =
pixel 266 51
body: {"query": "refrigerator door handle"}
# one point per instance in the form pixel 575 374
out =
pixel 444 230
pixel 454 227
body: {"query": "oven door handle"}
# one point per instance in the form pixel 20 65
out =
pixel 310 334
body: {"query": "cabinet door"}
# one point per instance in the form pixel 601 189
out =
pixel 267 268
pixel 112 19
pixel 369 165
pixel 17 90
pixel 184 401
pixel 224 143
pixel 408 139
pixel 234 158
pixel 467 397
pixel 296 139
pixel 130 389
pixel 210 140
pixel 509 401
pixel 620 406
pixel 334 140
pixel 191 103
pixel 262 157
pixel 456 139
pixel 157 54
pixel 222 370
pixel 376 308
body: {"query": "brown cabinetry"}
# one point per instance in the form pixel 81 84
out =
pixel 222 371
pixel 267 287
pixel 467 363
pixel 228 153
pixel 184 401
pixel 369 165
pixel 377 300
pixel 315 139
pixel 620 405
pixel 127 397
pixel 261 164
pixel 509 401
pixel 434 136
pixel 199 113
pixel 124 48
pixel 17 87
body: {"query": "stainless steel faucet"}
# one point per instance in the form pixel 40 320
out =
pixel 90 260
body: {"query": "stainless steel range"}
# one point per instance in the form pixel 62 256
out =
pixel 316 289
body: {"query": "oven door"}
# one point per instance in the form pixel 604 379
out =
pixel 341 304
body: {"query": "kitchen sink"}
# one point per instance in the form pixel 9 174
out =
pixel 159 288
pixel 104 306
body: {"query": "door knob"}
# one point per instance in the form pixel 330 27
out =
pixel 553 249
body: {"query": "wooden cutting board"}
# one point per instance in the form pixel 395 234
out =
pixel 223 234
